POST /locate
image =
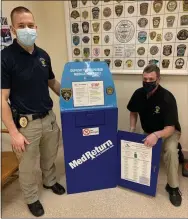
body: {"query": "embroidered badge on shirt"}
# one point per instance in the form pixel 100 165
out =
pixel 43 62
pixel 157 110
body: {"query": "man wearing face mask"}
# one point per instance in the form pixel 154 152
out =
pixel 158 114
pixel 26 75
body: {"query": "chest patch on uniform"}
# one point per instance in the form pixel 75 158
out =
pixel 157 110
pixel 43 62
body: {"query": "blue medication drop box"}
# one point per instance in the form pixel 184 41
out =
pixel 89 118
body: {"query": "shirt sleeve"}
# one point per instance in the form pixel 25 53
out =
pixel 51 73
pixel 5 74
pixel 133 103
pixel 171 112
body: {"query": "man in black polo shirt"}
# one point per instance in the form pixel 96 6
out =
pixel 158 114
pixel 26 76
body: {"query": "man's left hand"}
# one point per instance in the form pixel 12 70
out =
pixel 151 140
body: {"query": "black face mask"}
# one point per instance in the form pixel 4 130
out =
pixel 149 86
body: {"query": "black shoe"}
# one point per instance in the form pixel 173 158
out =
pixel 174 195
pixel 36 208
pixel 56 188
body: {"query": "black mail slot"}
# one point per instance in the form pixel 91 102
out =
pixel 90 118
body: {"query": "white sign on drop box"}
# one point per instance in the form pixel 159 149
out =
pixel 90 131
pixel 136 162
pixel 88 93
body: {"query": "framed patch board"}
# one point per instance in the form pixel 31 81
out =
pixel 128 35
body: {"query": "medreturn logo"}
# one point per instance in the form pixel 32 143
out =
pixel 90 155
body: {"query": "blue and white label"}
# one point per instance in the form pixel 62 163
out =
pixel 88 84
pixel 91 155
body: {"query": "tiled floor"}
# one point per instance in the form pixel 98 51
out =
pixel 108 203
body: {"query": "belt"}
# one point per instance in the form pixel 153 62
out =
pixel 35 116
pixel 39 115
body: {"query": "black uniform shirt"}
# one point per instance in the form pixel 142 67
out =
pixel 27 75
pixel 155 112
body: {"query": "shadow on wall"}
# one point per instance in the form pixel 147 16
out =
pixel 124 89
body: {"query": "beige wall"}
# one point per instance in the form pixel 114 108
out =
pixel 49 16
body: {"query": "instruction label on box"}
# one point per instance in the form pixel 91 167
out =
pixel 90 131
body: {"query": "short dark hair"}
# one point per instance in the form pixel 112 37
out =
pixel 19 9
pixel 152 67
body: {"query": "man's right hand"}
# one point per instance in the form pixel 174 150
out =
pixel 18 141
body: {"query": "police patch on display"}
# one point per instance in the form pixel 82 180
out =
pixel 154 50
pixel 66 93
pixel 109 90
pixel 108 61
pixel 119 10
pixel 96 51
pixel 76 40
pixel 152 35
pixel 74 3
pixel 129 35
pixel 182 34
pixel 167 50
pixel 181 49
pixel 85 14
pixel 171 5
pixel 75 28
pixel 118 62
pixel 86 52
pixel 96 26
pixel 143 8
pixel 85 27
pixel 130 9
pixel 76 52
pixel 141 63
pixel 129 63
pixel 84 2
pixel 170 20
pixel 142 36
pixel 141 51
pixel 179 63
pixel 75 14
pixel 95 2
pixel 107 12
pixel 85 39
pixel 96 39
pixel 165 63
pixel 106 39
pixel 107 25
pixel 107 52
pixel 96 60
pixel 95 12
pixel 168 36
pixel 142 22
pixel 157 5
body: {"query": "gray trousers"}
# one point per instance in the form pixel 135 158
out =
pixel 170 150
pixel 43 135
pixel 170 157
